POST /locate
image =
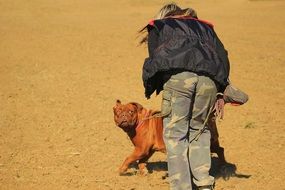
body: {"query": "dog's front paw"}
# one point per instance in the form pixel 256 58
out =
pixel 143 171
pixel 123 170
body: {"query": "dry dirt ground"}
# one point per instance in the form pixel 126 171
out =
pixel 64 63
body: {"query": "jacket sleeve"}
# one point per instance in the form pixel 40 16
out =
pixel 152 40
pixel 223 55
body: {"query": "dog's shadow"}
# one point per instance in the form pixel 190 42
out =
pixel 225 170
pixel 157 166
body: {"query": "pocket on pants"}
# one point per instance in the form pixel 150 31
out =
pixel 166 103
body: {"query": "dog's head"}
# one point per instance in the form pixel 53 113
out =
pixel 126 116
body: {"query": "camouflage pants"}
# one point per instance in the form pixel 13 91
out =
pixel 187 99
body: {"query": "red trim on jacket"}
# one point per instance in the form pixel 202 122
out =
pixel 151 22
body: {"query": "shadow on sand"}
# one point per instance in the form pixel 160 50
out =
pixel 225 170
pixel 218 170
pixel 157 166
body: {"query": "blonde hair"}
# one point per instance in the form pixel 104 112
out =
pixel 190 12
pixel 166 9
pixel 170 9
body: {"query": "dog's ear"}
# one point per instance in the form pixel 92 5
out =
pixel 139 106
pixel 118 102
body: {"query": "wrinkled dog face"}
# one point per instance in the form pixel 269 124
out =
pixel 126 116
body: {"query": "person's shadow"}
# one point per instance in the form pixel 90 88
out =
pixel 225 170
pixel 218 169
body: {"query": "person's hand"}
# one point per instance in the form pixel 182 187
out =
pixel 219 107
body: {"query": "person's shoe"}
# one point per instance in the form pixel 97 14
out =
pixel 208 187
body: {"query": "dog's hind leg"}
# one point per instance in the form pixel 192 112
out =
pixel 215 144
pixel 216 148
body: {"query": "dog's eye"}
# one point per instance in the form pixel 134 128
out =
pixel 131 112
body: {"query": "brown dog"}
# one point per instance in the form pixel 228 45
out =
pixel 145 132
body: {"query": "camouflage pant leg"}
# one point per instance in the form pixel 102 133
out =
pixel 199 150
pixel 178 99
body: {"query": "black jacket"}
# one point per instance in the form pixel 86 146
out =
pixel 183 44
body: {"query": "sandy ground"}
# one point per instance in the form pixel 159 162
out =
pixel 64 63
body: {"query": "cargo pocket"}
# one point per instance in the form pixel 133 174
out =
pixel 166 103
